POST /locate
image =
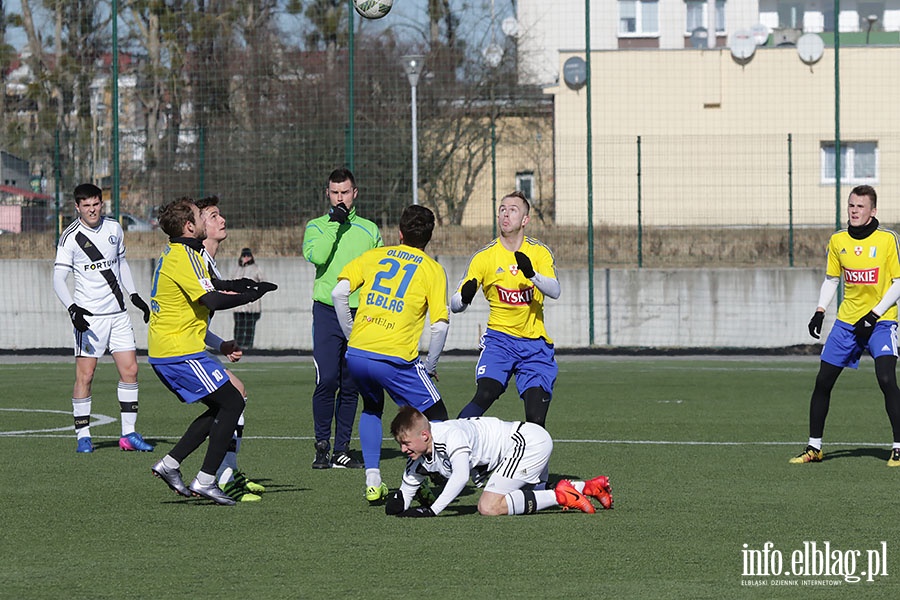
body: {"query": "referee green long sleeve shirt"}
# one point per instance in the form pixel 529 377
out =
pixel 329 246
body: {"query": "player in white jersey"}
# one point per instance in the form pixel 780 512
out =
pixel 516 453
pixel 231 479
pixel 92 249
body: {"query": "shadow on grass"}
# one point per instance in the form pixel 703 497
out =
pixel 879 453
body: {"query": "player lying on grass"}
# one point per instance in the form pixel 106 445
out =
pixel 516 453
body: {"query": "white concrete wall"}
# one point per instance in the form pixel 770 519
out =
pixel 684 308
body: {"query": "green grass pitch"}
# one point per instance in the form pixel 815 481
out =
pixel 696 450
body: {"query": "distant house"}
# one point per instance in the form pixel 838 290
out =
pixel 21 209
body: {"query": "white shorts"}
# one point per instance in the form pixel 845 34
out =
pixel 114 332
pixel 524 462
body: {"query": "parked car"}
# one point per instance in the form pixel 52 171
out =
pixel 133 223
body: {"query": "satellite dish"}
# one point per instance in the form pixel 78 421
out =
pixel 810 47
pixel 699 38
pixel 742 46
pixel 575 72
pixel 760 34
pixel 510 27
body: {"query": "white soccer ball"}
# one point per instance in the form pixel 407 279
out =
pixel 373 9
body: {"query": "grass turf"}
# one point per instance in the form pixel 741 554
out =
pixel 696 451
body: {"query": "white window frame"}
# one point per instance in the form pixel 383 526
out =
pixel 638 19
pixel 704 17
pixel 848 162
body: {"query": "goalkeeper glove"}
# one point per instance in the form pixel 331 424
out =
pixel 863 328
pixel 468 291
pixel 418 512
pixel 141 306
pixel 339 213
pixel 524 264
pixel 78 314
pixel 815 324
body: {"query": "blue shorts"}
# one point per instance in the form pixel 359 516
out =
pixel 842 350
pixel 532 361
pixel 192 377
pixel 406 382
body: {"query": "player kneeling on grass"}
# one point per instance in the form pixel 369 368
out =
pixel 515 452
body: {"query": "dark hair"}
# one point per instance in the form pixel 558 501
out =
pixel 416 225
pixel 175 215
pixel 207 202
pixel 520 196
pixel 246 252
pixel 85 191
pixel 340 175
pixel 865 190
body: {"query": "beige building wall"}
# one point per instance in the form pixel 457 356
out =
pixel 714 136
pixel 524 144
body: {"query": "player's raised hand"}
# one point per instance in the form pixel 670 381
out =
pixel 467 292
pixel 141 306
pixel 264 287
pixel 815 324
pixel 339 213
pixel 78 314
pixel 524 264
pixel 417 512
pixel 863 328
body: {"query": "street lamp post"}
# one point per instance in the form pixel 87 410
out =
pixel 413 65
pixel 871 20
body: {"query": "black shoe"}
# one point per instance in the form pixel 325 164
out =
pixel 322 461
pixel 343 460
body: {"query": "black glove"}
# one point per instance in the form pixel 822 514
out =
pixel 142 306
pixel 394 503
pixel 419 511
pixel 524 264
pixel 78 314
pixel 261 289
pixel 815 324
pixel 468 291
pixel 339 213
pixel 863 328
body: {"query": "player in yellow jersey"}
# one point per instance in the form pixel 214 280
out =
pixel 866 257
pixel 397 286
pixel 516 273
pixel 182 296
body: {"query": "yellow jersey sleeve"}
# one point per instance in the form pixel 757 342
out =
pixel 397 286
pixel 178 320
pixel 516 305
pixel 867 267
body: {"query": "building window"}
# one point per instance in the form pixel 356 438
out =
pixel 525 183
pixel 790 15
pixel 696 15
pixel 638 17
pixel 859 162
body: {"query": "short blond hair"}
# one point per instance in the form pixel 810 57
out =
pixel 408 420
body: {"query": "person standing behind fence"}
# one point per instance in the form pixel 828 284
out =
pixel 867 257
pixel 330 242
pixel 246 316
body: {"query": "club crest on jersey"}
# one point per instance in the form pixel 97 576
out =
pixel 857 250
pixel 113 240
pixel 515 297
pixel 861 276
pixel 514 269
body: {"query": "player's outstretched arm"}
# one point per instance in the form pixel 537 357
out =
pixel 439 331
pixel 215 301
pixel 459 476
pixel 461 300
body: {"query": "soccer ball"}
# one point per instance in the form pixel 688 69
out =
pixel 373 9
